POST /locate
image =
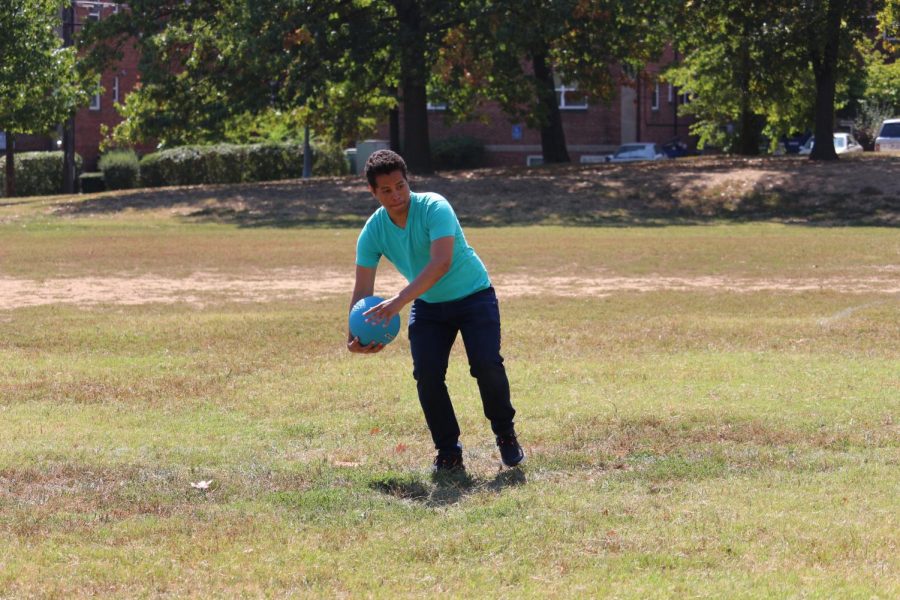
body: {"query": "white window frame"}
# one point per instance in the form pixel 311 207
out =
pixel 534 160
pixel 95 102
pixel 654 97
pixel 94 12
pixel 671 93
pixel 437 106
pixel 116 89
pixel 561 98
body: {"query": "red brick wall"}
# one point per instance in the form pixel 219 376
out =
pixel 88 121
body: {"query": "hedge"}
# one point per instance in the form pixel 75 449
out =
pixel 459 152
pixel 222 163
pixel 90 183
pixel 121 169
pixel 37 173
pixel 237 163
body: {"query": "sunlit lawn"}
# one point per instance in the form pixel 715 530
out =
pixel 708 443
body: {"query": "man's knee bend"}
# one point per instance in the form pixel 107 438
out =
pixel 430 375
pixel 486 368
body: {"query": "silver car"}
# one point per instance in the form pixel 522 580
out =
pixel 637 151
pixel 888 139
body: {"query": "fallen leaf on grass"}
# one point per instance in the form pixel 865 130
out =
pixel 400 449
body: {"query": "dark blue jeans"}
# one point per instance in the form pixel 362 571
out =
pixel 432 330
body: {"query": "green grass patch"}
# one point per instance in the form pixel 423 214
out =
pixel 718 441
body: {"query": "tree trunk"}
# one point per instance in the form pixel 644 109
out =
pixel 394 129
pixel 750 126
pixel 553 137
pixel 824 67
pixel 10 165
pixel 414 75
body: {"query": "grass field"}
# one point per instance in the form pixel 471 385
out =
pixel 710 410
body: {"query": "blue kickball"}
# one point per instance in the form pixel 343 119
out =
pixel 372 332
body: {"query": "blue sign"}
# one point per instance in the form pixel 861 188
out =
pixel 517 132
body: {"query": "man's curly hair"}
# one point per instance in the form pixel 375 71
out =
pixel 382 162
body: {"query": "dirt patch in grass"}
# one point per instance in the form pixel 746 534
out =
pixel 861 190
pixel 203 288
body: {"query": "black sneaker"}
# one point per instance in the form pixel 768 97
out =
pixel 448 461
pixel 511 452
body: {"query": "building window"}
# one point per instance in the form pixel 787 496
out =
pixel 686 98
pixel 95 101
pixel 671 94
pixel 654 97
pixel 116 89
pixel 569 98
pixel 93 12
pixel 437 106
pixel 534 160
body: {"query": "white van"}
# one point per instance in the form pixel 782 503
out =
pixel 888 139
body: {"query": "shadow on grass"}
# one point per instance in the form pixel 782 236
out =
pixel 856 191
pixel 446 489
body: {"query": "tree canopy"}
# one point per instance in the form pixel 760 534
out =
pixel 210 70
pixel 39 82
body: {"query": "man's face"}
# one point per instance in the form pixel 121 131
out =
pixel 392 192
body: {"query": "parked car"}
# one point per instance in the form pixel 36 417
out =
pixel 793 143
pixel 676 148
pixel 637 151
pixel 888 139
pixel 843 143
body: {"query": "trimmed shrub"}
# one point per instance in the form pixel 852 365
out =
pixel 121 169
pixel 459 152
pixel 329 159
pixel 222 163
pixel 90 183
pixel 38 173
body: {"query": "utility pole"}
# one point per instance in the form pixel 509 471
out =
pixel 69 126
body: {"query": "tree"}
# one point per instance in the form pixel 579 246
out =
pixel 39 82
pixel 335 64
pixel 516 51
pixel 743 72
pixel 774 65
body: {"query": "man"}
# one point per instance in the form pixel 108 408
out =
pixel 450 292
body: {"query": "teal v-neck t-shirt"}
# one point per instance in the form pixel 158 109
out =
pixel 409 248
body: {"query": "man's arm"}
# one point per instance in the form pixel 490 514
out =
pixel 437 267
pixel 364 286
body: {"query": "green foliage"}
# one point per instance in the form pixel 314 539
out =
pixel 222 163
pixel 512 51
pixel 882 78
pixel 869 120
pixel 329 159
pixel 458 152
pixel 121 169
pixel 764 69
pixel 39 82
pixel 38 173
pixel 90 183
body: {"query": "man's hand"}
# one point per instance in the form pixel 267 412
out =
pixel 357 348
pixel 383 312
